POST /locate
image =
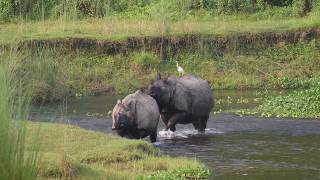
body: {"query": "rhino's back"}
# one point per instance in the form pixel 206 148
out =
pixel 146 110
pixel 198 94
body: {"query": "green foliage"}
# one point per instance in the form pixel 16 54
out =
pixel 5 10
pixel 234 6
pixel 15 163
pixel 170 10
pixel 146 60
pixel 70 152
pixel 292 83
pixel 181 174
pixel 303 103
pixel 44 71
pixel 58 73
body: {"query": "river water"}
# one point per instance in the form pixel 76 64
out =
pixel 233 147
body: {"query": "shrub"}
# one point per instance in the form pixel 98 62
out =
pixel 146 60
pixel 5 10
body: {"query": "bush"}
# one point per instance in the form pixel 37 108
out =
pixel 146 60
pixel 5 10
pixel 171 10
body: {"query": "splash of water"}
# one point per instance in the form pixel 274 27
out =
pixel 185 133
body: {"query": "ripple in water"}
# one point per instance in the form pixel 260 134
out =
pixel 185 133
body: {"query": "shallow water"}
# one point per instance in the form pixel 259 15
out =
pixel 233 147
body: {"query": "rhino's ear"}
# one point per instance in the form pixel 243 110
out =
pixel 158 76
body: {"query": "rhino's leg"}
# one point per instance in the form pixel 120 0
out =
pixel 173 129
pixel 165 119
pixel 196 124
pixel 203 124
pixel 153 137
pixel 175 119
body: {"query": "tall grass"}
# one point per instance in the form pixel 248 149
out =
pixel 173 10
pixel 15 161
pixel 59 73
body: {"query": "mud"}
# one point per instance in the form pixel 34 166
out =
pixel 175 44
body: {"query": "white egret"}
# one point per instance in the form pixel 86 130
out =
pixel 179 69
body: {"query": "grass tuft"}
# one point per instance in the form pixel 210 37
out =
pixel 87 154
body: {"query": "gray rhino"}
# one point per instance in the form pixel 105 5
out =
pixel 183 100
pixel 136 116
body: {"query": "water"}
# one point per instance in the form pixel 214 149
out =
pixel 225 100
pixel 233 147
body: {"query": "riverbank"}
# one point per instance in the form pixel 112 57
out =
pixel 114 54
pixel 70 152
pixel 117 30
pixel 60 72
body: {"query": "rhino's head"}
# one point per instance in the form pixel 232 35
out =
pixel 122 116
pixel 161 91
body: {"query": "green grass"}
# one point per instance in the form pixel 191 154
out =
pixel 72 152
pixel 120 29
pixel 59 73
pixel 15 163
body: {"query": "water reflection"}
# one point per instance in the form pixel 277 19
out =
pixel 225 100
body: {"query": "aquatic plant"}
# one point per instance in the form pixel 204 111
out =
pixel 301 103
pixel 181 174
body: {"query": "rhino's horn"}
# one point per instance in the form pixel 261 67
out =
pixel 119 101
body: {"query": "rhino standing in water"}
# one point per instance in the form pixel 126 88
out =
pixel 136 116
pixel 183 100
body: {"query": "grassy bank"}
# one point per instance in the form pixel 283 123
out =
pixel 86 47
pixel 72 152
pixel 118 20
pixel 60 72
pixel 120 29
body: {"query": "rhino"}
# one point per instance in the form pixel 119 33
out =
pixel 183 100
pixel 136 116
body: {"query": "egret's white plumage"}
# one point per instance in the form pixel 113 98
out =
pixel 179 69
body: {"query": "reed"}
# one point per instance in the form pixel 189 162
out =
pixel 16 162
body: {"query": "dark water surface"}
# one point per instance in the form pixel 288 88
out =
pixel 233 147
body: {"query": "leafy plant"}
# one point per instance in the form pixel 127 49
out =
pixel 146 60
pixel 180 174
pixel 303 103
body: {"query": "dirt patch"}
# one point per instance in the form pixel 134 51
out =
pixel 174 44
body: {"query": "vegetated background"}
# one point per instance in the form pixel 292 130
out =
pixel 173 10
pixel 60 70
pixel 251 58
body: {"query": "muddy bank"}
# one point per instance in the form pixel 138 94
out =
pixel 176 43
